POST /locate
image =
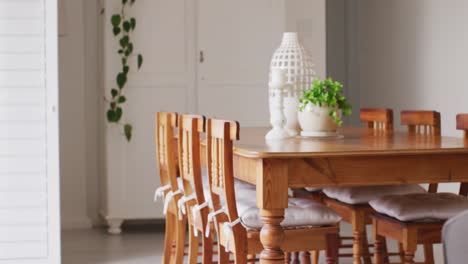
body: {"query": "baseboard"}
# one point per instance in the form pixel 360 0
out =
pixel 76 223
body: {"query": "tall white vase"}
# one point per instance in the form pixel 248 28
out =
pixel 295 60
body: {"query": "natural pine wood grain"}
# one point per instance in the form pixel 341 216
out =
pixel 377 118
pixel 166 149
pixel 272 198
pixel 190 129
pixel 410 234
pixel 359 158
pixel 355 141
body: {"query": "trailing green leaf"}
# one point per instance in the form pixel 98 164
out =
pixel 114 93
pixel 124 41
pixel 115 20
pixel 121 79
pixel 126 26
pixel 140 61
pixel 116 31
pixel 326 93
pixel 128 131
pixel 122 28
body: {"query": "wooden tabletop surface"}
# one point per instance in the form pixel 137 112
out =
pixel 350 141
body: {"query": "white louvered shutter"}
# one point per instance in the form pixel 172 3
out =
pixel 29 198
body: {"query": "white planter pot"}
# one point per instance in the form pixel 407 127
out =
pixel 315 121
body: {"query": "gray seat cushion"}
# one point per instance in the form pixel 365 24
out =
pixel 364 194
pixel 421 206
pixel 313 189
pixel 300 213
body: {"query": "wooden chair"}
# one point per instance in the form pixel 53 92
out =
pixel 411 230
pixel 166 149
pixel 357 211
pixel 237 220
pixel 194 201
pixel 377 119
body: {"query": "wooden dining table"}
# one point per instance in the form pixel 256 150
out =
pixel 354 157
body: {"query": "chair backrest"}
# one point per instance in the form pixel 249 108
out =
pixel 190 129
pixel 166 149
pixel 455 239
pixel 462 124
pixel 378 118
pixel 220 137
pixel 421 122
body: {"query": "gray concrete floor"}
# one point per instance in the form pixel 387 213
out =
pixel 136 245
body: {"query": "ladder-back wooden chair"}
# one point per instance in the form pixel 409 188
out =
pixel 309 226
pixel 352 203
pixel 166 149
pixel 194 201
pixel 418 218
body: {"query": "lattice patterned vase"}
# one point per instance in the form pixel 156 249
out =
pixel 293 57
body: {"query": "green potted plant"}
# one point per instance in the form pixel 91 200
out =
pixel 321 108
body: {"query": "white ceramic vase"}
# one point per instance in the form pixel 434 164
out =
pixel 315 121
pixel 295 60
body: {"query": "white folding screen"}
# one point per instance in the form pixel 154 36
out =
pixel 29 183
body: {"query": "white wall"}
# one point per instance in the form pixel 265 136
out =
pixel 413 55
pixel 72 116
pixel 80 151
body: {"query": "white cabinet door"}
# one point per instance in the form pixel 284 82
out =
pixel 236 40
pixel 29 182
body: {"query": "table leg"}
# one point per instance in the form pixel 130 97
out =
pixel 272 199
pixel 271 236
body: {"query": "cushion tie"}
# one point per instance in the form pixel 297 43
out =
pixel 181 204
pixel 197 208
pixel 170 195
pixel 227 230
pixel 159 193
pixel 211 218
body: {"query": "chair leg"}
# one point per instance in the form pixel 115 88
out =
pixel 428 254
pixel 169 238
pixel 385 251
pixel 410 247
pixel 305 257
pixel 193 246
pixel 333 246
pixel 378 249
pixel 295 257
pixel 287 257
pixel 207 243
pixel 378 243
pixel 315 256
pixel 401 251
pixel 180 239
pixel 365 248
pixel 223 256
pixel 240 258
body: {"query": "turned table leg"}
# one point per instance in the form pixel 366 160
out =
pixel 272 199
pixel 271 236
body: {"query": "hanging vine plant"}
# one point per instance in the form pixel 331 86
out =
pixel 122 28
